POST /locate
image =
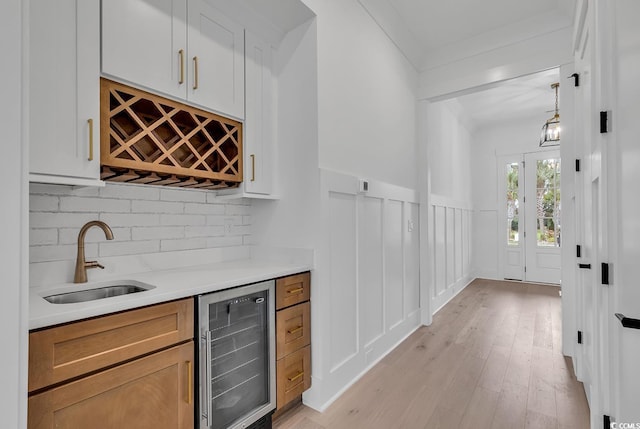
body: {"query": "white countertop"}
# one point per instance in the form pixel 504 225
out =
pixel 169 284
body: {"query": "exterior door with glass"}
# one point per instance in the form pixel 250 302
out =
pixel 542 205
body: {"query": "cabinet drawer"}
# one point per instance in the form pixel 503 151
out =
pixel 293 329
pixel 151 392
pixel 68 351
pixel 293 376
pixel 292 290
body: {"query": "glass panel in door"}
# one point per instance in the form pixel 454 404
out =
pixel 239 357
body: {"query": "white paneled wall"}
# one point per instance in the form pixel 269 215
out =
pixel 144 219
pixel 450 225
pixel 366 296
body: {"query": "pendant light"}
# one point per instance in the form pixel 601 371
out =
pixel 550 135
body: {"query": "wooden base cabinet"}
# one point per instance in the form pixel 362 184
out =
pixel 293 339
pixel 151 392
pixel 128 369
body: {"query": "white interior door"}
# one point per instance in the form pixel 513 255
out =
pixel 542 207
pixel 591 208
pixel 627 270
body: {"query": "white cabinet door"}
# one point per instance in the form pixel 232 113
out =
pixel 145 42
pixel 216 60
pixel 64 90
pixel 258 130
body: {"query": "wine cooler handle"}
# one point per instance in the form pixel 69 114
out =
pixel 207 366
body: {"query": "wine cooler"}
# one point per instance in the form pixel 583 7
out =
pixel 237 356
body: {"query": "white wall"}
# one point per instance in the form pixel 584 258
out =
pixel 449 141
pixel 449 205
pixel 367 92
pixel 13 308
pixel 144 219
pixel 368 300
pixel 346 103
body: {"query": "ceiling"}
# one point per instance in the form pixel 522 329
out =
pixel 435 24
pixel 432 33
pixel 520 98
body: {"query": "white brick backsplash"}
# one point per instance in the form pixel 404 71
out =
pixel 111 248
pixel 231 209
pixel 60 253
pixel 240 230
pixel 204 231
pixel 154 232
pixel 44 236
pixel 94 235
pixel 169 219
pixel 184 244
pixel 184 195
pixel 224 241
pixel 130 192
pixel 216 220
pixel 206 209
pixel 157 207
pixel 57 220
pixel 43 203
pixel 144 219
pixel 130 219
pixel 100 205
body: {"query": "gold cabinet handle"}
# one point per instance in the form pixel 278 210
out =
pixel 297 290
pixel 297 376
pixel 90 122
pixel 195 72
pixel 181 53
pixel 293 331
pixel 189 381
pixel 253 167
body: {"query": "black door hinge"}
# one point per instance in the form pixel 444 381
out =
pixel 606 420
pixel 578 251
pixel 605 273
pixel 577 165
pixel 604 122
pixel 579 337
pixel 576 79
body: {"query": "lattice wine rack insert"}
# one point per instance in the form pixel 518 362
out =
pixel 150 139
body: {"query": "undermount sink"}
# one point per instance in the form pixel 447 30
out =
pixel 106 291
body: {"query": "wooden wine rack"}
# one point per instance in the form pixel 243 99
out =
pixel 153 140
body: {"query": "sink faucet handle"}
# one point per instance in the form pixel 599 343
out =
pixel 94 264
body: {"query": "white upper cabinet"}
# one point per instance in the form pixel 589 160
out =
pixel 216 60
pixel 64 91
pixel 182 48
pixel 258 132
pixel 145 42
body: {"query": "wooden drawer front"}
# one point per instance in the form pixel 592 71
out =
pixel 68 351
pixel 293 329
pixel 292 290
pixel 151 392
pixel 293 375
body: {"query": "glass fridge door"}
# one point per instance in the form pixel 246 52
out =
pixel 237 357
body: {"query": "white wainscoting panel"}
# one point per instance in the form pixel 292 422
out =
pixel 394 278
pixel 370 272
pixel 452 224
pixel 366 282
pixel 344 329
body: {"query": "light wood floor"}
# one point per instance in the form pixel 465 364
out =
pixel 491 359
